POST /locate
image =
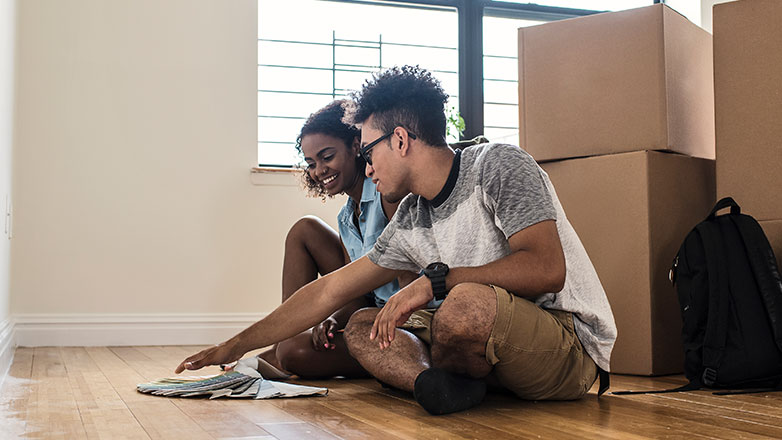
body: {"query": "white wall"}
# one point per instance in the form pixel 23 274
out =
pixel 7 67
pixel 135 134
pixel 7 43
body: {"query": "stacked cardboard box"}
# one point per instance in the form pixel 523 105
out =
pixel 618 108
pixel 748 105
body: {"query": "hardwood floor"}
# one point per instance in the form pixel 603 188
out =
pixel 89 392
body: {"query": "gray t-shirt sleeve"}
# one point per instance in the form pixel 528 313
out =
pixel 515 190
pixel 389 250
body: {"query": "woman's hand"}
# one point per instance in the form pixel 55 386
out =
pixel 323 335
pixel 223 353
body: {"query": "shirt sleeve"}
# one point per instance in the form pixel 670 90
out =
pixel 515 190
pixel 390 250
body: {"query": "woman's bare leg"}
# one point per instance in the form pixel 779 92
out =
pixel 297 355
pixel 312 247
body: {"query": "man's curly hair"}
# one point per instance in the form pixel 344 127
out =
pixel 328 121
pixel 407 96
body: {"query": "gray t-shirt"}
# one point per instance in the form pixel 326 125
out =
pixel 493 192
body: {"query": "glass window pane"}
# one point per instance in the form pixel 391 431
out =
pixel 506 68
pixel 504 92
pixel 295 54
pixel 290 104
pixel 320 49
pixel 294 79
pixel 502 135
pixel 277 154
pixel 500 77
pixel 501 116
pixel 278 129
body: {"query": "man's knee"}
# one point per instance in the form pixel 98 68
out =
pixel 467 314
pixel 357 329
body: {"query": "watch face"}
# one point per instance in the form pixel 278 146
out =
pixel 436 269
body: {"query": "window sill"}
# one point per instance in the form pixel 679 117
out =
pixel 273 176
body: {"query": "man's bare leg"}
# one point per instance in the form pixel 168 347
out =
pixel 398 365
pixel 462 327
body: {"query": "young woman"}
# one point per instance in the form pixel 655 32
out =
pixel 312 248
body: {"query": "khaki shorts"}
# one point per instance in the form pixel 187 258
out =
pixel 535 353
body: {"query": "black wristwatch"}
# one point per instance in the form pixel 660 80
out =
pixel 436 273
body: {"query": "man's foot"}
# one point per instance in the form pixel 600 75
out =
pixel 441 392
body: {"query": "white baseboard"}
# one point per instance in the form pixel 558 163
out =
pixel 50 330
pixel 7 347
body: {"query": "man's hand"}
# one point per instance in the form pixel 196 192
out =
pixel 398 308
pixel 323 333
pixel 222 353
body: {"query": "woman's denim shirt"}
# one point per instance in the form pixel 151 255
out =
pixel 371 221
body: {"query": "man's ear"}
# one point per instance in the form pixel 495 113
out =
pixel 402 140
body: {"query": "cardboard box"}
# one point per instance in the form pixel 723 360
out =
pixel 748 100
pixel 773 230
pixel 632 212
pixel 633 80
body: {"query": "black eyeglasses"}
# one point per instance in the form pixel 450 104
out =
pixel 366 150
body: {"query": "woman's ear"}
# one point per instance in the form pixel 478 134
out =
pixel 356 147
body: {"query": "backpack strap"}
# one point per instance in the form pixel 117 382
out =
pixel 605 381
pixel 722 204
pixel 764 267
pixel 716 333
pixel 692 386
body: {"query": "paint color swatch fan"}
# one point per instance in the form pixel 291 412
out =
pixel 244 381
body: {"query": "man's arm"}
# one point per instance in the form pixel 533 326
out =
pixel 535 266
pixel 305 308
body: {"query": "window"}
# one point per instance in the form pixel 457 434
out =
pixel 313 51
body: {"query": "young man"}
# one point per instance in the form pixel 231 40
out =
pixel 508 295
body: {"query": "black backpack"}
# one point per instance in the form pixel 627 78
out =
pixel 730 294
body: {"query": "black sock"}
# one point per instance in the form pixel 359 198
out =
pixel 441 392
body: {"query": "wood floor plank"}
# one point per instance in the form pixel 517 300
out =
pixel 296 431
pixel 159 417
pixel 52 410
pixel 210 415
pixel 162 419
pixel 15 394
pixel 91 393
pixel 399 415
pixel 259 412
pixel 217 419
pixel 624 413
pixel 321 413
pixel 750 414
pixel 103 413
